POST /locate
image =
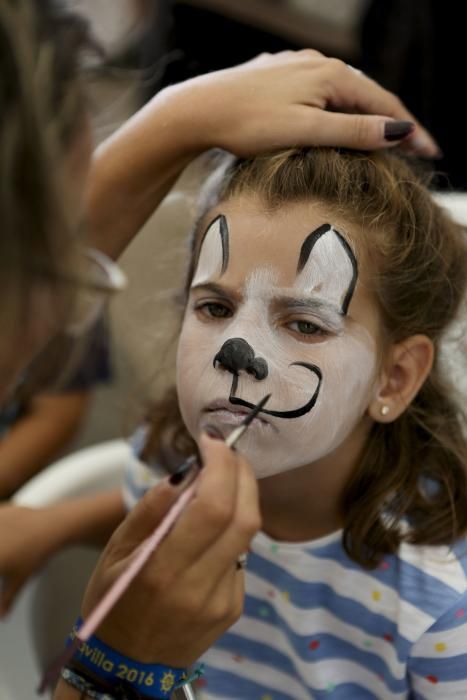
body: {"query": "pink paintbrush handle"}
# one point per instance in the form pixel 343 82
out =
pixel 142 554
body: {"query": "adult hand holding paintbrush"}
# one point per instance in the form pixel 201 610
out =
pixel 190 591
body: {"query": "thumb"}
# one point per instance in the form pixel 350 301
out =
pixel 361 131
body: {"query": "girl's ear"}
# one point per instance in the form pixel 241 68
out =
pixel 406 368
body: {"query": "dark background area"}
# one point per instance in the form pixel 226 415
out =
pixel 416 48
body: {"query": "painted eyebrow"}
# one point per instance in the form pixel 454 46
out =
pixel 331 313
pixel 221 292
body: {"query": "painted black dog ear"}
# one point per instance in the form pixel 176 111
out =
pixel 214 251
pixel 327 265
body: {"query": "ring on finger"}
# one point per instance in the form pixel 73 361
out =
pixel 241 561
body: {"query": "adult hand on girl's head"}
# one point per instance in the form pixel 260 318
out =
pixel 190 591
pixel 291 99
pixel 296 98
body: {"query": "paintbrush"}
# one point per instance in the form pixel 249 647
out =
pixel 142 554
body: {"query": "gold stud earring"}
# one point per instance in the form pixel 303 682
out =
pixel 384 410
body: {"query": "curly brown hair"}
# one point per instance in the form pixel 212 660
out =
pixel 419 258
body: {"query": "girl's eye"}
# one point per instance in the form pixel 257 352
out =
pixel 214 310
pixel 306 328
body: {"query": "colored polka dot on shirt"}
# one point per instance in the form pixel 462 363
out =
pixel 274 548
pixel 388 637
pixel 314 644
pixel 285 595
pixel 376 595
pixel 264 611
pixel 460 613
pixel 330 688
pixel 432 679
pixel 368 643
pixel 384 565
pixel 266 697
pixel 440 646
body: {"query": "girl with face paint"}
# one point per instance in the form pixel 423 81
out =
pixel 47 179
pixel 315 279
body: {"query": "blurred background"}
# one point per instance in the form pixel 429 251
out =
pixel 413 47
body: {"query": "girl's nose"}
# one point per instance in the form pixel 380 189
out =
pixel 236 354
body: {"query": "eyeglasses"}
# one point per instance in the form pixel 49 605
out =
pixel 97 279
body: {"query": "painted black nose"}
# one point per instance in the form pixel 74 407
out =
pixel 236 354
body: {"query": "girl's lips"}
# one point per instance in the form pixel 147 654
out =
pixel 227 412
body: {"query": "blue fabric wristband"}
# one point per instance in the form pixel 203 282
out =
pixel 150 680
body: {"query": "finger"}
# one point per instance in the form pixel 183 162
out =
pixel 359 131
pixel 225 601
pixel 310 53
pixel 209 513
pixel 274 59
pixel 222 556
pixel 260 58
pixel 145 517
pixel 356 92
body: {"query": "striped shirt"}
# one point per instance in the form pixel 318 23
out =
pixel 317 625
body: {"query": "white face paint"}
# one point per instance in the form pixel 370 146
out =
pixel 214 253
pixel 241 339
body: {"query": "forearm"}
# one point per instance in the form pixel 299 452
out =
pixel 38 438
pixel 89 520
pixel 135 168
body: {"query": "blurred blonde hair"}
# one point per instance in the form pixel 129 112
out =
pixel 41 106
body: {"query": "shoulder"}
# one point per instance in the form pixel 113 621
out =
pixel 139 477
pixel 439 655
pixel 434 578
pixel 445 565
pixel 414 587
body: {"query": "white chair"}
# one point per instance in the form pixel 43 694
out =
pixel 48 606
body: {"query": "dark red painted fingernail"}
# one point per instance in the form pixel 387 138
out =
pixel 397 130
